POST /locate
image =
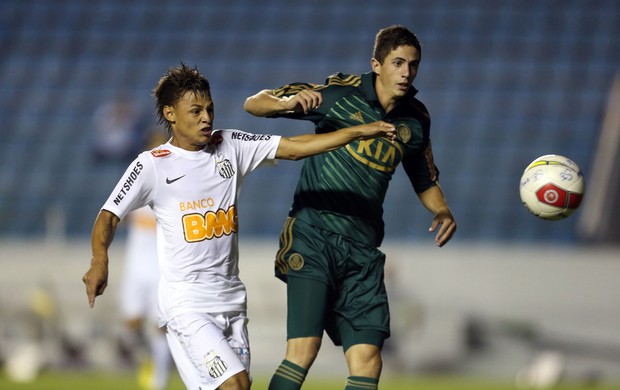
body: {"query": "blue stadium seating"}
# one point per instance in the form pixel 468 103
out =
pixel 504 81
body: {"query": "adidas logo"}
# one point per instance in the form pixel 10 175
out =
pixel 357 117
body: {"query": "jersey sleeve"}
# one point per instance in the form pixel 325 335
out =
pixel 335 87
pixel 421 169
pixel 252 150
pixel 294 89
pixel 135 188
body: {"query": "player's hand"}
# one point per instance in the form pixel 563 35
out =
pixel 377 129
pixel 447 226
pixel 96 279
pixel 306 100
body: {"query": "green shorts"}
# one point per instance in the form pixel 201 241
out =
pixel 334 284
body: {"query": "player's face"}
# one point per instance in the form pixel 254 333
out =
pixel 396 73
pixel 192 120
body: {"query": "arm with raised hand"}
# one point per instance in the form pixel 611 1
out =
pixel 305 145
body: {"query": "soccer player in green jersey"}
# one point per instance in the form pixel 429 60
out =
pixel 329 254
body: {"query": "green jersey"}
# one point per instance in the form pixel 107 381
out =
pixel 343 190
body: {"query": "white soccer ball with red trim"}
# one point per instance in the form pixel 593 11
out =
pixel 552 187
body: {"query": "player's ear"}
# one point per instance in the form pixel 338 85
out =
pixel 375 65
pixel 168 112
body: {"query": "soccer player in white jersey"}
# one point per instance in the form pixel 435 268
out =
pixel 192 185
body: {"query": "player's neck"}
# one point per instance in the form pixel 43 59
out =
pixel 387 101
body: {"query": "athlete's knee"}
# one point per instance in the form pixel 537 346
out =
pixel 303 350
pixel 364 360
pixel 239 381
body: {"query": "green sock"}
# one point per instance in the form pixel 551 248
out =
pixel 288 376
pixel 361 383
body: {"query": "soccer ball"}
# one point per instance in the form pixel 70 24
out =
pixel 552 187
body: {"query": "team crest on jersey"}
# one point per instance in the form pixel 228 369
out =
pixel 160 152
pixel 296 262
pixel 225 168
pixel 403 133
pixel 215 365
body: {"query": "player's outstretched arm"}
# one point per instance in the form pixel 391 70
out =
pixel 433 199
pixel 305 145
pixel 265 103
pixel 96 278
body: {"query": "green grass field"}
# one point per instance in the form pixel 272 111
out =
pixel 126 381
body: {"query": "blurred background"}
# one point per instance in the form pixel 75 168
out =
pixel 504 81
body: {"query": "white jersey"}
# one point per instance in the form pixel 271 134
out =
pixel 194 197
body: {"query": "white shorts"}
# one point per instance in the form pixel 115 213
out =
pixel 209 349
